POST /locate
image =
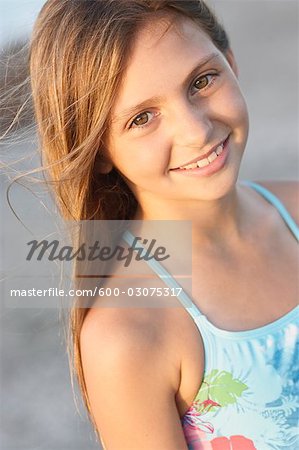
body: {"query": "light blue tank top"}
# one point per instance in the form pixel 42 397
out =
pixel 249 396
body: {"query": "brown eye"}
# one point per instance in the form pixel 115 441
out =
pixel 201 82
pixel 141 119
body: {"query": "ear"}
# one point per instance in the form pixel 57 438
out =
pixel 232 61
pixel 106 168
pixel 102 164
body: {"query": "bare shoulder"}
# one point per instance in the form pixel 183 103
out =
pixel 288 194
pixel 131 380
pixel 123 335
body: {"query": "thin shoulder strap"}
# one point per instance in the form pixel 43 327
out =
pixel 165 276
pixel 277 204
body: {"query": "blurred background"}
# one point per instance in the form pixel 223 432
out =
pixel 37 406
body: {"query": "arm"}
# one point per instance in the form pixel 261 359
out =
pixel 131 383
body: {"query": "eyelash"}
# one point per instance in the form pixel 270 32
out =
pixel 209 85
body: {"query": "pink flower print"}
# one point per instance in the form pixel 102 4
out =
pixel 195 428
pixel 193 416
pixel 196 439
pixel 205 406
pixel 232 443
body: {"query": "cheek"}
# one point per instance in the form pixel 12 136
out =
pixel 237 105
pixel 142 157
pixel 230 105
pixel 155 150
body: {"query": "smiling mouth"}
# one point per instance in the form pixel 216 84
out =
pixel 204 161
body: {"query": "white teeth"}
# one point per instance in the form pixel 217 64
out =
pixel 203 162
pixel 206 161
pixel 212 157
pixel 219 149
pixel 189 166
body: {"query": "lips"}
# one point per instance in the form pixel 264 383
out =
pixel 206 155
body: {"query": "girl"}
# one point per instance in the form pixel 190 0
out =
pixel 141 117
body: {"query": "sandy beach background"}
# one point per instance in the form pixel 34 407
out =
pixel 38 411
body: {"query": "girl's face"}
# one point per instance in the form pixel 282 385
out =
pixel 179 100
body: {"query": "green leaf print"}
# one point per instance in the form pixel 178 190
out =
pixel 220 387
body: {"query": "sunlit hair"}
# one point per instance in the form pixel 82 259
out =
pixel 78 53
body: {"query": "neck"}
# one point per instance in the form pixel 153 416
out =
pixel 215 222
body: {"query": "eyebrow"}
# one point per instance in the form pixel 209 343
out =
pixel 131 111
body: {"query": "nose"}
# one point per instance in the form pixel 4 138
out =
pixel 191 125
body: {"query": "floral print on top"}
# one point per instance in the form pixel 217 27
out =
pixel 249 398
pixel 251 401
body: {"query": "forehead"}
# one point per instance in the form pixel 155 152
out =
pixel 163 52
pixel 157 38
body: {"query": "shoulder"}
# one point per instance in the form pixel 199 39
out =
pixel 122 335
pixel 288 194
pixel 130 343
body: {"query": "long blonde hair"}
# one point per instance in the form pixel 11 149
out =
pixel 78 54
